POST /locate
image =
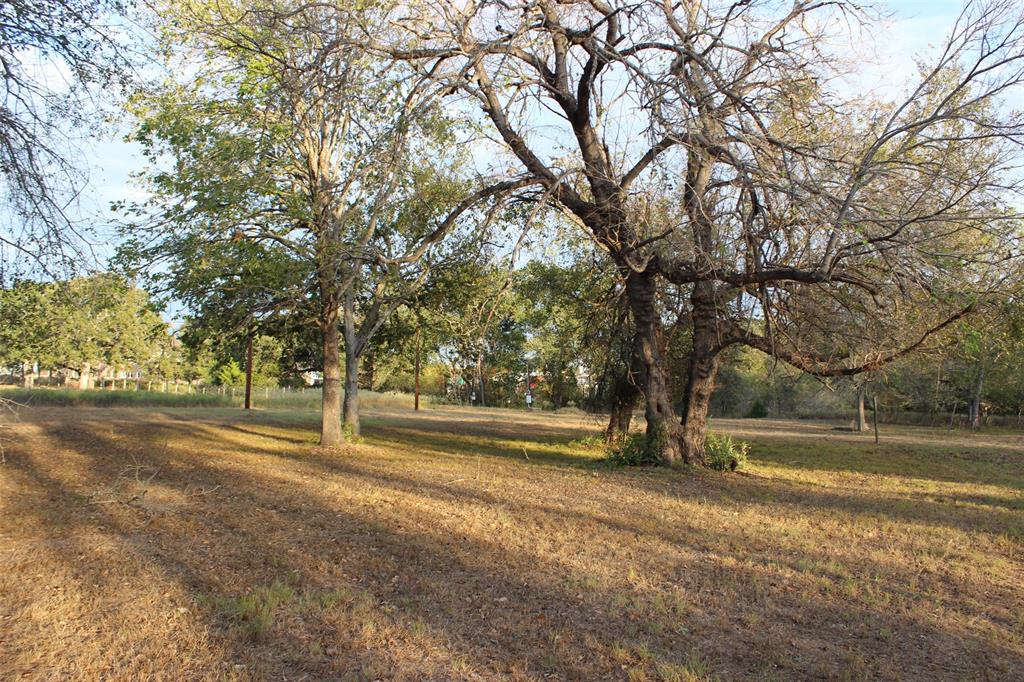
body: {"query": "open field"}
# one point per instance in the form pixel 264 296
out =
pixel 483 544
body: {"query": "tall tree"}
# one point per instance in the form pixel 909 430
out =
pixel 279 137
pixel 786 198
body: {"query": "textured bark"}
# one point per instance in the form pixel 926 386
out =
pixel 700 384
pixel 702 368
pixel 248 372
pixel 620 419
pixel 663 427
pixel 330 419
pixel 353 349
pixel 416 371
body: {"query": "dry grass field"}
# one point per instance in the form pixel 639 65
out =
pixel 484 545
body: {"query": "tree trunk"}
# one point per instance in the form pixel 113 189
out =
pixel 350 412
pixel 700 384
pixel 83 376
pixel 480 375
pixel 330 417
pixel 663 428
pixel 28 374
pixel 701 371
pixel 625 393
pixel 976 400
pixel 862 422
pixel 620 418
pixel 248 372
pixel 419 350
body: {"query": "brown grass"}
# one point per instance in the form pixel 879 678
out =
pixel 481 544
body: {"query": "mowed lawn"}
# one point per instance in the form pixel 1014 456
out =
pixel 458 544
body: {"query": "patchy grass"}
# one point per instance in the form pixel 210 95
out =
pixel 485 544
pixel 211 396
pixel 103 398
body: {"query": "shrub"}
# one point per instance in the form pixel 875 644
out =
pixel 757 410
pixel 636 450
pixel 723 453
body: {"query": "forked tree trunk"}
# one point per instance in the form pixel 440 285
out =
pixel 663 427
pixel 625 393
pixel 620 418
pixel 330 418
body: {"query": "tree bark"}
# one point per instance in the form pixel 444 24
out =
pixel 248 372
pixel 976 399
pixel 28 374
pixel 419 350
pixel 350 410
pixel 330 418
pixel 663 428
pixel 862 422
pixel 625 393
pixel 700 384
pixel 620 418
pixel 480 377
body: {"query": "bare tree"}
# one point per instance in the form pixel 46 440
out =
pixel 51 52
pixel 711 150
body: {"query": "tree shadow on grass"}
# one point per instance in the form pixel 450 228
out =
pixel 961 510
pixel 918 453
pixel 433 602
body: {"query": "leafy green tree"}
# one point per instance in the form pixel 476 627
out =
pixel 334 157
pixel 229 374
pixel 81 324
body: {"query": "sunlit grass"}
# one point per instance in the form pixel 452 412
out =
pixel 463 544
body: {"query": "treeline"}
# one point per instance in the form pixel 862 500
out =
pixel 552 324
pixel 100 330
pixel 629 205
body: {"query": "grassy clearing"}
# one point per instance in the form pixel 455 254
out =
pixel 102 398
pixel 264 399
pixel 482 544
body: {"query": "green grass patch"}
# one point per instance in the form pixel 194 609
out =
pixel 253 614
